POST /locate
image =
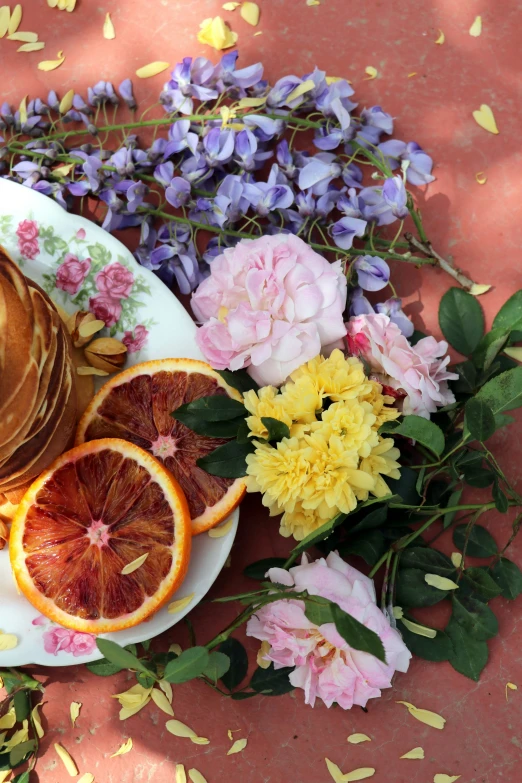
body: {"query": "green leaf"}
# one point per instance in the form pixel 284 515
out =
pixel 480 541
pixel 499 498
pixel 242 695
pixel 216 407
pixel 429 560
pixel 217 666
pixel 243 433
pixel 372 520
pixel 146 680
pixel 319 610
pixel 479 419
pixel 453 500
pixel 436 649
pixel 258 569
pixel 120 656
pixel 508 577
pixel 238 658
pixel 478 477
pixel 189 665
pixel 239 380
pixel 416 428
pixel 404 487
pixel 357 635
pixel 22 705
pixel 504 392
pixel 98 253
pixel 475 617
pixel 413 591
pixel 489 347
pixel 228 460
pixel 277 430
pixel 461 320
pixel 479 583
pixel 467 380
pixel 272 682
pixel 21 752
pixel 23 777
pixel 370 545
pixel 469 656
pixel 104 668
pixel 212 429
pixel 510 314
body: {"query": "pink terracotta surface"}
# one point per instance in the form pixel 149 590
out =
pixel 478 225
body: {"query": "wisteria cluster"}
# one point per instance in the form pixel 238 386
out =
pixel 228 164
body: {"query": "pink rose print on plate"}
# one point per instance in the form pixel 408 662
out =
pixel 105 308
pixel 80 234
pixel 71 273
pixel 27 233
pixel 115 280
pixel 63 639
pixel 136 340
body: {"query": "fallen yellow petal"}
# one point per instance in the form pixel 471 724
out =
pixel 63 171
pixel 5 15
pixel 22 735
pixel 31 47
pixel 108 28
pixel 87 777
pixel 216 33
pixel 359 774
pixel 259 32
pixel 152 69
pixel 413 73
pixel 68 763
pixel 66 102
pixel 124 748
pixel 425 716
pixel 313 2
pixel 24 37
pixel 200 740
pixel 301 89
pixel 250 12
pixel 440 40
pixel 52 65
pixel 355 739
pixel 476 28
pixel 237 747
pixel 477 289
pixel 134 696
pixel 8 720
pixel 75 711
pixel 334 771
pixel 175 648
pixel 415 753
pixel 14 21
pixel 70 5
pixel 511 687
pixel 134 565
pixel 179 729
pixel 196 776
pixel 514 353
pixel 4 774
pixel 180 776
pixel 221 530
pixel 397 612
pixel 481 178
pixel 440 582
pixel 181 603
pixel 371 72
pixel 52 3
pixel 37 722
pixel 485 118
pixel 161 701
pixel 261 659
pixel 456 559
pixel 441 778
pixel 230 6
pixel 128 712
pixel 8 641
pixel 166 687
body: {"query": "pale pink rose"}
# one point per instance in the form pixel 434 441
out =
pixel 63 639
pixel 115 280
pixel 326 667
pixel 269 304
pixel 105 308
pixel 71 273
pixel 28 233
pixel 136 340
pixel 417 371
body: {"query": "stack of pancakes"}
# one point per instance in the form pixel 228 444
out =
pixel 37 381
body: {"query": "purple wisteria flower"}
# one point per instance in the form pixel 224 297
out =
pixel 359 304
pixel 319 172
pixel 270 195
pixel 373 273
pixel 412 159
pixel 178 192
pixel 393 309
pixel 395 196
pixel 344 231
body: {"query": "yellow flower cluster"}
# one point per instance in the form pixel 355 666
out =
pixel 334 456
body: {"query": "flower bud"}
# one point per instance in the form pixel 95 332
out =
pixel 81 326
pixel 106 354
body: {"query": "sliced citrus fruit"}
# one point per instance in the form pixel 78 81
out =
pixel 97 509
pixel 137 404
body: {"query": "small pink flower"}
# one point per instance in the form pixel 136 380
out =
pixel 326 667
pixel 58 639
pixel 40 620
pixel 82 644
pixel 105 308
pixel 136 340
pixel 71 273
pixel 115 280
pixel 80 234
pixel 28 233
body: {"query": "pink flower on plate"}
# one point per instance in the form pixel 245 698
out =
pixel 417 371
pixel 58 639
pixel 269 304
pixel 326 667
pixel 28 233
pixel 71 273
pixel 80 234
pixel 135 340
pixel 115 280
pixel 105 308
pixel 40 620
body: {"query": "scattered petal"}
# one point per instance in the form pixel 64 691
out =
pixel 301 89
pixel 52 65
pixel 477 289
pixel 371 72
pixel 23 110
pixel 481 178
pixel 476 28
pixel 8 641
pixel 24 37
pixel 37 721
pixel 134 565
pixel 181 603
pixel 440 582
pixel 221 530
pixel 216 33
pixel 70 5
pixel 8 720
pixel 90 371
pixel 31 47
pixel 514 353
pixel 128 712
pixel 152 69
pixel 441 778
pixel 397 612
pixel 250 13
pixel 359 774
pixel 180 775
pixel 355 739
pixel 250 103
pixel 485 118
pixel 175 648
pixel 456 559
pixel 259 32
pixel 75 711
pixel 415 753
pixel 161 701
pixel 66 102
pixel 440 40
pixel 313 2
pixel 196 776
pixel 124 748
pixel 166 687
pixel 179 729
pixel 510 686
pixel 108 28
pixel 425 716
pixel 87 777
pixel 5 16
pixel 68 762
pixel 134 696
pixel 334 771
pixel 14 21
pixel 237 747
pixel 230 6
pixel 200 740
pixel 262 661
pixel 413 73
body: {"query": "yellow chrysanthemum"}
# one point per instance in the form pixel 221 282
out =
pixel 353 422
pixel 380 404
pixel 279 473
pixel 299 523
pixel 301 400
pixel 382 462
pixel 265 403
pixel 337 377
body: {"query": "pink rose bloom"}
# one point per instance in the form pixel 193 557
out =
pixel 71 273
pixel 115 280
pixel 136 340
pixel 327 667
pixel 28 233
pixel 418 371
pixel 269 304
pixel 105 308
pixel 69 641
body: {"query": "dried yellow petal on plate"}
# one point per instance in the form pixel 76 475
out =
pixel 371 72
pixel 250 12
pixel 87 777
pixel 8 641
pixel 481 178
pixel 134 564
pixel 161 701
pixel 334 771
pixel 52 65
pixel 221 530
pixel 67 760
pixel 66 102
pixel 196 776
pixel 238 746
pixel 24 37
pixel 425 716
pixel 440 40
pixel 37 722
pixel 486 119
pixel 356 739
pixel 180 774
pixel 181 603
pixel 31 47
pixel 440 582
pixel 166 687
pixel 476 28
pixel 5 16
pixel 152 69
pixel 216 33
pixel 442 778
pixel 414 753
pixel 230 6
pixel 108 28
pixel 456 559
pixel 180 729
pixel 14 21
pixel 124 748
pixel 75 711
pixel 359 774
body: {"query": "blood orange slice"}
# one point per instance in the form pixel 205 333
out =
pixel 136 405
pixel 97 509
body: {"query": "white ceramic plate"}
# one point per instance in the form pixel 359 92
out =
pixel 65 254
